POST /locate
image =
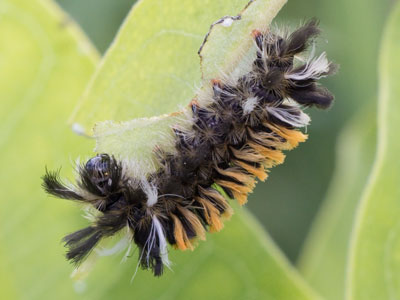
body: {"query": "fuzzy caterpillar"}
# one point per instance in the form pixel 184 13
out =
pixel 238 131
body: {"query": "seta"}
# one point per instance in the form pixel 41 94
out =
pixel 238 130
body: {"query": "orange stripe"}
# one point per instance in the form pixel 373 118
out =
pixel 194 221
pixel 258 172
pixel 182 241
pixel 294 137
pixel 247 154
pixel 240 197
pixel 216 196
pixel 233 186
pixel 212 215
pixel 237 174
pixel 274 155
pixel 265 138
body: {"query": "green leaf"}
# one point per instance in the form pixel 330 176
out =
pixel 374 270
pixel 240 262
pixel 152 67
pixel 45 64
pixel 324 256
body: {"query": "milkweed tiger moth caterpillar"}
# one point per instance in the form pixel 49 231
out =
pixel 239 129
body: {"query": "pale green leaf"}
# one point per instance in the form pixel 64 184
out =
pixel 374 270
pixel 324 256
pixel 152 67
pixel 240 262
pixel 45 63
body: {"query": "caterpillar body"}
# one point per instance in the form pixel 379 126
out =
pixel 238 131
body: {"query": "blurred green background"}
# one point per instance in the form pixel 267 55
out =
pixel 288 201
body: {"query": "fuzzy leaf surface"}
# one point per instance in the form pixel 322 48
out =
pixel 153 68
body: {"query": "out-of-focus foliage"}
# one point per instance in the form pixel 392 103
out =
pixel 324 259
pixel 100 19
pixel 374 264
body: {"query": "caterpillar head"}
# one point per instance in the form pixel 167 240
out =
pixel 100 185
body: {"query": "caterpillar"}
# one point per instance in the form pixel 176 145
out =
pixel 238 129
